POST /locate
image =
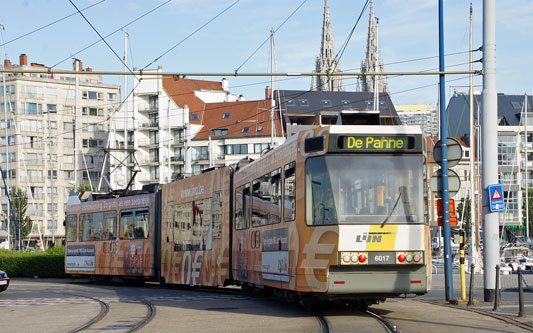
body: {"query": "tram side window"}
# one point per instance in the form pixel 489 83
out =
pixel 201 225
pixel 168 221
pixel 134 224
pixel 71 228
pixel 275 197
pixel 242 204
pixel 260 201
pixel 320 207
pixel 110 225
pixel 183 227
pixel 216 215
pixel 290 192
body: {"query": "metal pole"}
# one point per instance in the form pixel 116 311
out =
pixel 497 288
pixel 76 103
pixel 472 151
pixel 272 102
pixel 462 262
pixel 471 291
pixel 489 137
pixel 7 154
pixel 520 294
pixel 448 278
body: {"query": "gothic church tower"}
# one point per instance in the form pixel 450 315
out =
pixel 326 62
pixel 372 63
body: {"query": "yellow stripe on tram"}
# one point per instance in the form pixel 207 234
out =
pixel 381 239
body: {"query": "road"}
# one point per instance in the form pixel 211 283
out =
pixel 75 305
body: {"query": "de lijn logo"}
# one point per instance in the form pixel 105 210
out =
pixel 371 237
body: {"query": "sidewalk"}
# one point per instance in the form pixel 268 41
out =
pixel 509 300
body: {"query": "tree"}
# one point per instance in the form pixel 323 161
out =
pixel 463 214
pixel 19 202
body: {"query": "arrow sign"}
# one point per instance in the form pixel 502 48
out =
pixel 496 202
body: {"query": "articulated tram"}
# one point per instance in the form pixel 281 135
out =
pixel 336 212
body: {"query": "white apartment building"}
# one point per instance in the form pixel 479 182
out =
pixel 423 115
pixel 45 114
pixel 168 121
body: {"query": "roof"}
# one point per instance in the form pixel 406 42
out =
pixel 182 93
pixel 297 102
pixel 231 118
pixel 458 112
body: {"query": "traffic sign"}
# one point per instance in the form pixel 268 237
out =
pixel 454 183
pixel 496 198
pixel 453 149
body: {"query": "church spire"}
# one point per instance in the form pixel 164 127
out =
pixel 326 62
pixel 372 63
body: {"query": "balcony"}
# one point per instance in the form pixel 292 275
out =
pixel 148 142
pixel 148 108
pixel 529 165
pixel 149 125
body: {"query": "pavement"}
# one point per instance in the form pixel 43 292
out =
pixel 508 307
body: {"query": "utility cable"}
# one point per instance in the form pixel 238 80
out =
pixel 266 40
pixel 99 35
pixel 49 24
pixel 192 33
pixel 345 44
pixel 112 33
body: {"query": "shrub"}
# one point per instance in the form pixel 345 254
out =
pixel 48 264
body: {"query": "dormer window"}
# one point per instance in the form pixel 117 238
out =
pixel 290 102
pixel 218 132
pixel 259 128
pixel 326 103
pixel 303 102
pixel 246 129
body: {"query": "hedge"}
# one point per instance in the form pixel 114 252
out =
pixel 48 264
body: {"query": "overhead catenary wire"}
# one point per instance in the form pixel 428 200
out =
pixel 49 24
pixel 113 32
pixel 268 38
pixel 99 35
pixel 192 33
pixel 117 108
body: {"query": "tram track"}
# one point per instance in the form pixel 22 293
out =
pixel 118 323
pixel 340 319
pixel 389 326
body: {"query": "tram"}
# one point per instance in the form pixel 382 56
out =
pixel 335 213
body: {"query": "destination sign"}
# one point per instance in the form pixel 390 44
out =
pixel 377 143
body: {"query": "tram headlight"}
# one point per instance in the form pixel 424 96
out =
pixel 354 258
pixel 346 258
pixel 409 257
pixel 416 257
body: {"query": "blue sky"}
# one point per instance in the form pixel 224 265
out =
pixel 408 30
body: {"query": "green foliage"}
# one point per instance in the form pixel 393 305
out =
pixel 530 207
pixel 19 202
pixel 48 264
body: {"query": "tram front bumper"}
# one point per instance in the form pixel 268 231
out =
pixel 392 280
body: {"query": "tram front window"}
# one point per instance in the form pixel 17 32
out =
pixel 364 189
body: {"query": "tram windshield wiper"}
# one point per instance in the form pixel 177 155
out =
pixel 392 210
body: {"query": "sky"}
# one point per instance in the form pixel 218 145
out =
pixel 233 29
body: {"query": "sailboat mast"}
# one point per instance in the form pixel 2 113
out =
pixel 525 167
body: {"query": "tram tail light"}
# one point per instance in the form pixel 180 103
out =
pixel 409 257
pixel 353 258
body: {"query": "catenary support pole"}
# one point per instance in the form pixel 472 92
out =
pixel 489 147
pixel 448 278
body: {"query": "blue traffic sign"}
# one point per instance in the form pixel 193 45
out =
pixel 496 198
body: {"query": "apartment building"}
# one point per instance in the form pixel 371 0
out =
pixel 172 126
pixel 56 133
pixel 422 115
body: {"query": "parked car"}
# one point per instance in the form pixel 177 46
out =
pixel 4 281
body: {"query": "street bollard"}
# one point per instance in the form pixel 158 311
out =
pixel 520 294
pixel 471 291
pixel 497 290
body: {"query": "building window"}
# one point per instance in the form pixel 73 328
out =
pixel 51 108
pixel 346 103
pixel 259 148
pixel 326 103
pixel 226 115
pixel 237 149
pixel 32 108
pixel 290 102
pixel 111 96
pixel 194 116
pixel 219 131
pixel 200 153
pixel 10 107
pixel 246 129
pixel 52 174
pixel 303 102
pixel 259 128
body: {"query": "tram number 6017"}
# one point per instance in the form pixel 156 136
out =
pixel 384 258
